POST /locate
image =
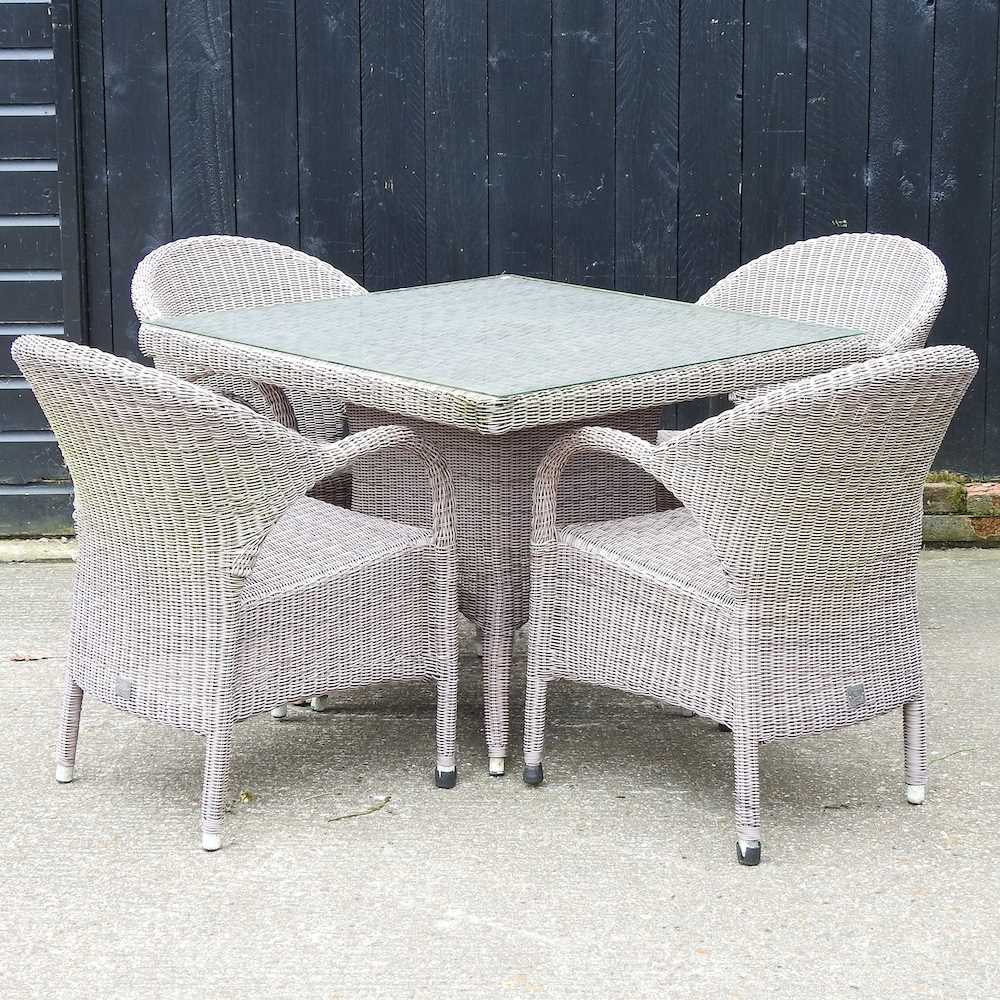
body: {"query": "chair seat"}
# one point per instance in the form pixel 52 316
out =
pixel 315 541
pixel 669 545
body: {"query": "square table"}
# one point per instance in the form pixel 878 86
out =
pixel 491 371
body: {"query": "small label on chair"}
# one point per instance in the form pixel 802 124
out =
pixel 123 688
pixel 855 695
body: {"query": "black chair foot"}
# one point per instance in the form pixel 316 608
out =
pixel 748 852
pixel 445 779
pixel 533 774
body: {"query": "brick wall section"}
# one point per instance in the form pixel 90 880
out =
pixel 962 514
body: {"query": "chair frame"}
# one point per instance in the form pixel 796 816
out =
pixel 841 280
pixel 821 628
pixel 208 273
pixel 178 491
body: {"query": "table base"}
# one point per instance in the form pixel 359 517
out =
pixel 493 478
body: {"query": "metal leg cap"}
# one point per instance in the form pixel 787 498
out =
pixel 319 703
pixel 280 712
pixel 748 852
pixel 915 794
pixel 64 773
pixel 211 841
pixel 533 774
pixel 497 766
pixel 445 779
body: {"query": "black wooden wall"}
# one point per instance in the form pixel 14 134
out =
pixel 39 250
pixel 647 145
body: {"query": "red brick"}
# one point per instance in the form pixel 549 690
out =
pixel 986 528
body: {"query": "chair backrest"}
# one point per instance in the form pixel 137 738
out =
pixel 887 286
pixel 817 485
pixel 168 476
pixel 206 273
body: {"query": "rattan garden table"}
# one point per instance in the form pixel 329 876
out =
pixel 492 371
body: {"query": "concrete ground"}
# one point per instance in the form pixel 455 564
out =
pixel 616 878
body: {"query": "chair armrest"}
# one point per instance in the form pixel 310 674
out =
pixel 337 457
pixel 587 439
pixel 665 436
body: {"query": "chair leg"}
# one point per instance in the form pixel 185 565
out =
pixel 218 758
pixel 746 758
pixel 534 728
pixel 915 750
pixel 318 703
pixel 445 771
pixel 69 730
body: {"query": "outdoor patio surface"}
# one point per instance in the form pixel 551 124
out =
pixel 616 878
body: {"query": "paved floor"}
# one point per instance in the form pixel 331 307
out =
pixel 614 879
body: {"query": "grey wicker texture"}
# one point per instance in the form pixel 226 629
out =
pixel 781 599
pixel 492 446
pixel 506 335
pixel 888 286
pixel 725 361
pixel 211 586
pixel 493 478
pixel 208 273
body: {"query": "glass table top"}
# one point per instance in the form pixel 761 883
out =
pixel 505 336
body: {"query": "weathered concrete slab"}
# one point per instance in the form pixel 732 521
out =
pixel 616 878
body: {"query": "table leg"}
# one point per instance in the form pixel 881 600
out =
pixel 498 644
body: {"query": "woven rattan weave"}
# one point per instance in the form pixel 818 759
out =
pixel 781 599
pixel 888 286
pixel 211 586
pixel 492 446
pixel 206 273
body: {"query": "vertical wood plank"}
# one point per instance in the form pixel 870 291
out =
pixel 583 142
pixel 902 85
pixel 646 81
pixel 520 130
pixel 774 104
pixel 991 430
pixel 329 84
pixel 138 150
pixel 710 138
pixel 965 66
pixel 265 120
pixel 70 236
pixel 200 75
pixel 392 117
pixel 837 116
pixel 94 165
pixel 457 141
pixel 710 126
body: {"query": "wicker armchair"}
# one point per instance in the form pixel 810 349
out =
pixel 781 599
pixel 207 273
pixel 888 286
pixel 210 586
